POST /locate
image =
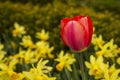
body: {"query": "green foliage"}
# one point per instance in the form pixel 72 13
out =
pixel 111 5
pixel 41 2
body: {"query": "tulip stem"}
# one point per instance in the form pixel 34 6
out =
pixel 82 67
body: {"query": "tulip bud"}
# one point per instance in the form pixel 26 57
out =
pixel 77 32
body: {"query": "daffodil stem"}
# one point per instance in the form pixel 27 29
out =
pixel 67 74
pixel 75 73
pixel 82 67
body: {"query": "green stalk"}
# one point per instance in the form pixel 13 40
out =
pixel 75 73
pixel 82 66
pixel 67 74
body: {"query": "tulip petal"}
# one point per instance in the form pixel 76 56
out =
pixel 64 37
pixel 64 22
pixel 90 29
pixel 74 35
pixel 77 18
pixel 82 21
pixel 87 23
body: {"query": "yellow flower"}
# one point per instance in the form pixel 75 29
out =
pixel 97 41
pixel 51 56
pixel 1 46
pixel 20 56
pixel 36 76
pixel 7 70
pixel 108 50
pixel 43 50
pixel 40 72
pixel 20 76
pixel 96 67
pixel 42 35
pixel 18 31
pixel 118 60
pixel 27 42
pixel 49 52
pixel 2 53
pixel 60 66
pixel 64 61
pixel 41 66
pixel 112 73
pixel 119 50
pixel 27 56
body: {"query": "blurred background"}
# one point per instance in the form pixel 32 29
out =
pixel 38 14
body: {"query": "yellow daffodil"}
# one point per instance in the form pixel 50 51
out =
pixel 2 53
pixel 96 67
pixel 60 66
pixel 49 52
pixel 43 50
pixel 97 41
pixel 7 70
pixel 13 76
pixel 51 56
pixel 65 60
pixel 27 42
pixel 39 73
pixel 1 46
pixel 41 66
pixel 20 56
pixel 19 30
pixel 112 73
pixel 108 50
pixel 42 35
pixel 28 56
pixel 35 76
pixel 118 60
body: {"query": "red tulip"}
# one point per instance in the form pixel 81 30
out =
pixel 77 32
